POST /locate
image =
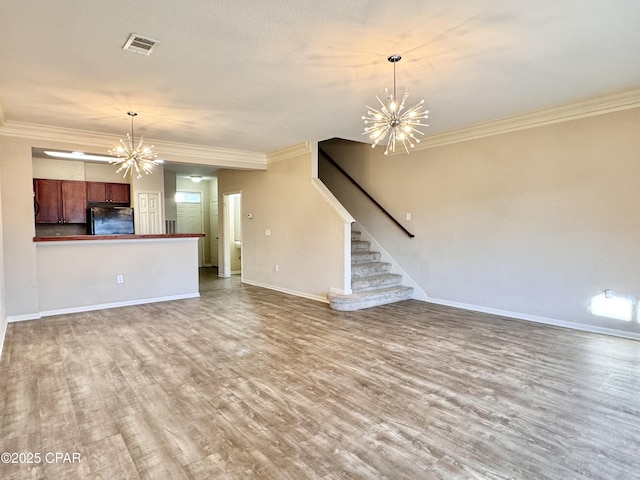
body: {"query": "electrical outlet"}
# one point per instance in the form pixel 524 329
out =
pixel 120 279
pixel 267 232
pixel 407 216
pixel 277 267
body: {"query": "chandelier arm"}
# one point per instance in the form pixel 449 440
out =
pixel 404 99
pixel 140 144
pixel 383 133
pixel 384 107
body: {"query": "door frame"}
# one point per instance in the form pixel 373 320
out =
pixel 215 233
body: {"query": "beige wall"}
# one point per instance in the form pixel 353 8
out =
pixel 103 172
pixel 535 222
pixel 58 169
pixel 307 236
pixel 20 272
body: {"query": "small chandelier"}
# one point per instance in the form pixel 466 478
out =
pixel 391 119
pixel 133 158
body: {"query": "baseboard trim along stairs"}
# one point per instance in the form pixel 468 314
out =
pixel 371 281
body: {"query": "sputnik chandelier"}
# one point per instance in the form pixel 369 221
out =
pixel 133 158
pixel 392 121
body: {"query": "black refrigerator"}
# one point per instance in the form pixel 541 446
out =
pixel 110 220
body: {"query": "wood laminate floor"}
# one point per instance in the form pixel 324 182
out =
pixel 249 383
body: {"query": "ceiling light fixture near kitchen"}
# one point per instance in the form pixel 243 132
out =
pixel 390 119
pixel 78 156
pixel 133 158
pixel 196 178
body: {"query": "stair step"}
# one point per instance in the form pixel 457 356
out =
pixel 364 257
pixel 360 246
pixel 373 282
pixel 374 298
pixel 368 269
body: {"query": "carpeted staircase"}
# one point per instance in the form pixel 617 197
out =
pixel 371 282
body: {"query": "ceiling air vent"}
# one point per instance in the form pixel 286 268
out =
pixel 139 44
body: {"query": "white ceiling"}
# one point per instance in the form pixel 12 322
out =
pixel 263 75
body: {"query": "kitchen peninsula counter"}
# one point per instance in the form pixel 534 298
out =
pixel 90 272
pixel 73 238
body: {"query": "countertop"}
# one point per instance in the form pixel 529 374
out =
pixel 73 238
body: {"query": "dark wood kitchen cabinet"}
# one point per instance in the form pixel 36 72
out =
pixel 60 201
pixel 102 192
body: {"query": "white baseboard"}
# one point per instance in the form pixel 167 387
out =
pixel 317 298
pixel 538 319
pixel 23 318
pixel 102 306
pixel 340 291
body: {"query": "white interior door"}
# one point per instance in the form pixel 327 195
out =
pixel 148 213
pixel 189 220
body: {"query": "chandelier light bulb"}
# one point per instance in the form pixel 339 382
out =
pixel 392 121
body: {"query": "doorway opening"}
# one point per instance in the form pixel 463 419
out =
pixel 232 237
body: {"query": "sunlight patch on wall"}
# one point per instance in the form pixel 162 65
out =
pixel 612 306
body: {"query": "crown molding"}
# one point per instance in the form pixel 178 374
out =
pixel 297 150
pixel 183 152
pixel 221 157
pixel 244 159
pixel 537 118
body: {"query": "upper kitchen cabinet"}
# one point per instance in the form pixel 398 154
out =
pixel 60 201
pixel 102 192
